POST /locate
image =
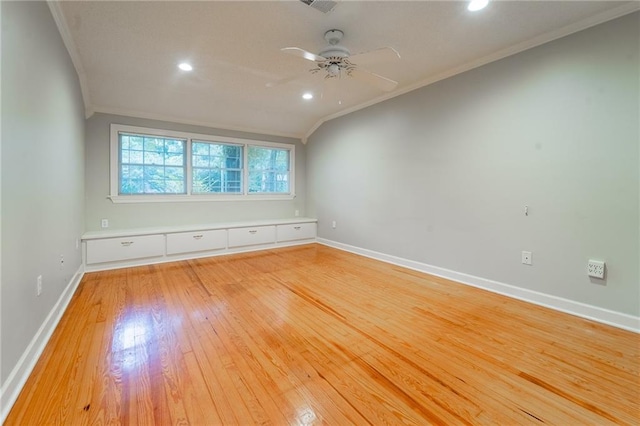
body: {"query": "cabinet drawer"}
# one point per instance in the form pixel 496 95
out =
pixel 296 231
pixel 115 249
pixel 251 236
pixel 187 242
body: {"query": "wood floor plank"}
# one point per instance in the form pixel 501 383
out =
pixel 313 335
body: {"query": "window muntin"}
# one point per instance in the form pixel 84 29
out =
pixel 271 182
pixel 268 170
pixel 151 165
pixel 216 168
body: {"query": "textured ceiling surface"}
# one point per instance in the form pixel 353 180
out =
pixel 127 53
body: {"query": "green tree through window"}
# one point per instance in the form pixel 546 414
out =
pixel 151 165
pixel 217 168
pixel 268 170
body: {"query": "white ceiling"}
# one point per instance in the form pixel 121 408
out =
pixel 126 53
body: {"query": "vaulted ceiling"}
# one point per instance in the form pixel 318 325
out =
pixel 127 53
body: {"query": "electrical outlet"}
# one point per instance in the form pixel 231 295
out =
pixel 297 213
pixel 104 223
pixel 526 257
pixel 61 261
pixel 333 224
pixel 595 268
pixel 39 285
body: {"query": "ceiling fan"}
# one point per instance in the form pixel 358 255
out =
pixel 336 61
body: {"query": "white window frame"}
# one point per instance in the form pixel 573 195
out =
pixel 115 196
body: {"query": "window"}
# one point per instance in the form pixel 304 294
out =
pixel 217 168
pixel 160 165
pixel 268 170
pixel 151 165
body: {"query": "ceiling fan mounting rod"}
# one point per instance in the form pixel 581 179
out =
pixel 334 36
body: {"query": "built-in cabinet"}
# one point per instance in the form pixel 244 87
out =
pixel 191 242
pixel 255 235
pixel 296 231
pixel 115 249
pixel 107 250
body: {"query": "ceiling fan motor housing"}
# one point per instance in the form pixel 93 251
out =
pixel 334 49
pixel 335 55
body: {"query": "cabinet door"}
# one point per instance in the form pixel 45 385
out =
pixel 239 237
pixel 115 249
pixel 296 231
pixel 188 242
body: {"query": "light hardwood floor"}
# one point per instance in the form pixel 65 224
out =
pixel 311 334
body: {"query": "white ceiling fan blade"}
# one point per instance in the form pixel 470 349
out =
pixel 284 80
pixel 296 51
pixel 379 81
pixel 330 91
pixel 384 54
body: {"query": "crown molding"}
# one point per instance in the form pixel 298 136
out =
pixel 547 37
pixel 67 39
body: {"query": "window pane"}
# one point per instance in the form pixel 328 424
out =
pixel 174 186
pixel 135 157
pixel 269 170
pixel 217 168
pixel 174 146
pixel 136 172
pixel 153 158
pixel 200 148
pixel 135 142
pixel 174 159
pixel 174 173
pixel 152 165
pixel 201 161
pixel 153 144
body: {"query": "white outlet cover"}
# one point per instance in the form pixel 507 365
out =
pixel 526 257
pixel 596 268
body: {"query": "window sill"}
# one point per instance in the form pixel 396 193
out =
pixel 130 199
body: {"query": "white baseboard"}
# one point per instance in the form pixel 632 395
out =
pixel 18 377
pixel 605 316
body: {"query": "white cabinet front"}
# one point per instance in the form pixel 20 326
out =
pixel 296 231
pixel 188 242
pixel 239 237
pixel 115 249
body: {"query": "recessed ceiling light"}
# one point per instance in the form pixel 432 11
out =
pixel 307 96
pixel 185 66
pixel 475 5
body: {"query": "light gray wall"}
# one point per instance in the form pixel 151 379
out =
pixel 123 216
pixel 441 175
pixel 42 172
